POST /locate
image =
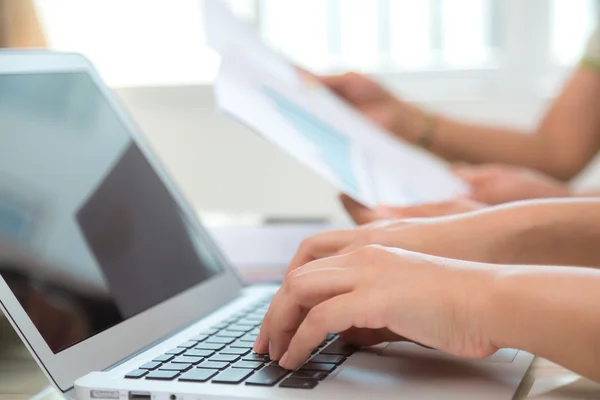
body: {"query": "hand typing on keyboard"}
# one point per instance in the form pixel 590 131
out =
pixel 223 355
pixel 375 295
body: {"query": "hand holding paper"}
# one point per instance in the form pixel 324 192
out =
pixel 309 122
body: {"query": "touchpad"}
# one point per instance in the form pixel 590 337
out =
pixel 411 350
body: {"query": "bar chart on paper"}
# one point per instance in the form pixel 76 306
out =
pixel 333 147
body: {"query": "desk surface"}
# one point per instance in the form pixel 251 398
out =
pixel 21 378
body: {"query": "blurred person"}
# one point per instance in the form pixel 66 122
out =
pixel 522 166
pixel 19 25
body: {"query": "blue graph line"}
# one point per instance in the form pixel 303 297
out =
pixel 333 146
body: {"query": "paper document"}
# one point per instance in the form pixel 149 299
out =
pixel 293 112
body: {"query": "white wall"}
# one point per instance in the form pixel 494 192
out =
pixel 223 166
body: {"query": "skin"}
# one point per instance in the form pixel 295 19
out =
pixel 363 215
pixel 555 231
pixel 501 165
pixel 564 143
pixel 489 185
pixel 467 308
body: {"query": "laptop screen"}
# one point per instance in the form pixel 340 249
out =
pixel 89 234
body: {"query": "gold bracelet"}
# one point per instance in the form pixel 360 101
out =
pixel 429 130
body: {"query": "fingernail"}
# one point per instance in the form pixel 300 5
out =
pixel 283 361
pixel 271 350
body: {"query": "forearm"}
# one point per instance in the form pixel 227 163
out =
pixel 562 145
pixel 479 144
pixel 541 232
pixel 550 312
pixel 586 193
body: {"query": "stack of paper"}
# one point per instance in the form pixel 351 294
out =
pixel 261 89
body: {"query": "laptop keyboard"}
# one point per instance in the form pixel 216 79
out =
pixel 224 355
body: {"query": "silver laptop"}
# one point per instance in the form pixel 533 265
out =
pixel 120 293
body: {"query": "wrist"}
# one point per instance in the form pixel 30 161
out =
pixel 551 232
pixel 519 233
pixel 408 121
pixel 497 305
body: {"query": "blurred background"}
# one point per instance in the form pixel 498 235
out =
pixel 498 61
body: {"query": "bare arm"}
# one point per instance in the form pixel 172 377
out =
pixel 550 312
pixel 564 143
pixel 377 294
pixel 541 232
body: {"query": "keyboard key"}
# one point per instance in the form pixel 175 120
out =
pixel 327 359
pixel 232 376
pixel 331 336
pixel 324 343
pixel 240 328
pixel 245 322
pixel 137 374
pixel 225 358
pixel 164 358
pixel 255 331
pixel 268 376
pixel 230 334
pixel 248 364
pixel 236 351
pixel 318 367
pixel 256 357
pixel 199 353
pixel 188 344
pixel 242 345
pixel 256 316
pixel 176 351
pixel 298 383
pixel 198 375
pixel 151 365
pixel 199 338
pixel 220 326
pixel 210 346
pixel 318 375
pixel 249 338
pixel 339 348
pixel 213 365
pixel 210 332
pixel 175 367
pixel 162 375
pixel 187 360
pixel 220 340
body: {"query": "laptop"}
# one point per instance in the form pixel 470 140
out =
pixel 119 292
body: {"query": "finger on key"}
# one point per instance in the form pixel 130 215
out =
pixel 325 244
pixel 261 345
pixel 333 315
pixel 304 289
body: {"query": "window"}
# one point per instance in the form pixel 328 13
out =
pixel 572 22
pixel 381 34
pixel 153 42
